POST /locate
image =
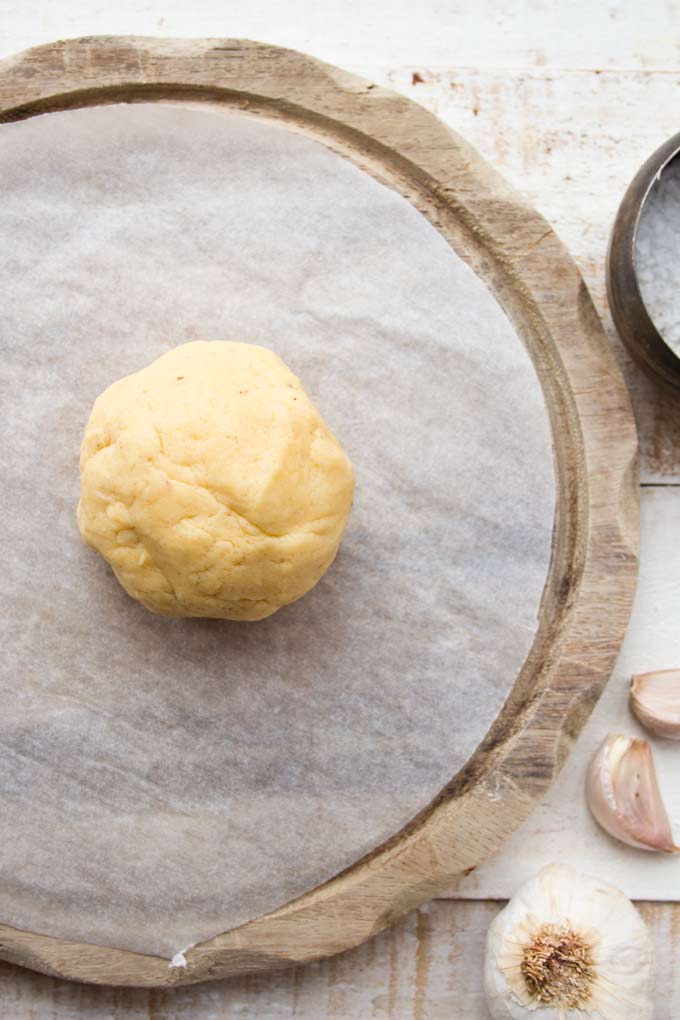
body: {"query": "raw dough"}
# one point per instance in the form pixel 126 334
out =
pixel 211 484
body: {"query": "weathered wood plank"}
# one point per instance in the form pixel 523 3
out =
pixel 428 967
pixel 492 33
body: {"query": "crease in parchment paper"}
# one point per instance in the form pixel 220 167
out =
pixel 163 780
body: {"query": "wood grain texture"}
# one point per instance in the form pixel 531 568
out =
pixel 589 590
pixel 427 967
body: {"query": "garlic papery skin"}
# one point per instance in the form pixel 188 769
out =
pixel 569 947
pixel 623 794
pixel 655 700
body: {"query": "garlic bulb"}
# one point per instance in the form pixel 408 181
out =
pixel 568 947
pixel 655 700
pixel 623 794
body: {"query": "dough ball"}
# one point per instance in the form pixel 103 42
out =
pixel 211 484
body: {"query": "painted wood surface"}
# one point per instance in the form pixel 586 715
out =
pixel 428 967
pixel 387 33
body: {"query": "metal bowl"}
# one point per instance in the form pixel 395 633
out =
pixel 632 320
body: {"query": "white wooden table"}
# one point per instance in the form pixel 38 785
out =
pixel 566 100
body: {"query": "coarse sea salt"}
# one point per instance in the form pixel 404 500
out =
pixel 657 254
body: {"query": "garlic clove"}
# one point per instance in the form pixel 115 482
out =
pixel 655 700
pixel 568 947
pixel 623 794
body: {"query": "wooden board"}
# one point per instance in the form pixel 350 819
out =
pixel 592 577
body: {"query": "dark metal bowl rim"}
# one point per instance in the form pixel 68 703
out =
pixel 632 320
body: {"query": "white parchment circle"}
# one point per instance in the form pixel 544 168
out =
pixel 162 781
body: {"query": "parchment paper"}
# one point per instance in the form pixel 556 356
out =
pixel 162 781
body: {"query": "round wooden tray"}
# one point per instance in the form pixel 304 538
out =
pixel 590 587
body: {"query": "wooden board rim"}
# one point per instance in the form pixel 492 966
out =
pixel 590 588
